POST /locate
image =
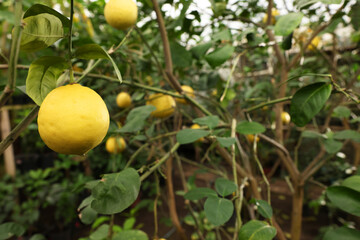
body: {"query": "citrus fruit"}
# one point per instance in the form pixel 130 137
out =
pixel 285 117
pixel 121 14
pixel 165 105
pixel 73 119
pixel 123 100
pixel 197 126
pixel 115 144
pixel 188 91
pixel 250 138
pixel 314 43
pixel 274 13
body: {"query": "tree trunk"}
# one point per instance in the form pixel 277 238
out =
pixel 296 214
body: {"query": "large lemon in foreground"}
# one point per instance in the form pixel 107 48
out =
pixel 165 105
pixel 73 119
pixel 121 14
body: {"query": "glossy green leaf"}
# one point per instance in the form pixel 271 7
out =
pixel 246 127
pixel 116 191
pixel 135 120
pixel 209 121
pixel 219 55
pixel 263 208
pixel 342 233
pixel 199 193
pixel 94 51
pixel 218 210
pixel 180 56
pixel 9 229
pixel 256 230
pixel 200 50
pixel 287 42
pixel 308 101
pixel 224 186
pixel 130 235
pixel 331 1
pixel 88 215
pixel 347 134
pixel 186 136
pixel 42 76
pixel 287 23
pixel 352 182
pixel 40 31
pixel 37 9
pixel 345 198
pixel 226 141
pixel 332 146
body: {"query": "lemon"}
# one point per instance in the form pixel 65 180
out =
pixel 314 43
pixel 165 105
pixel 73 119
pixel 188 91
pixel 197 126
pixel 250 138
pixel 123 100
pixel 121 14
pixel 274 13
pixel 115 144
pixel 285 117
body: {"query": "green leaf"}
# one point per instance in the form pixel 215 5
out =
pixel 100 233
pixel 199 193
pixel 219 55
pixel 226 141
pixel 263 208
pixel 88 215
pixel 246 127
pixel 287 42
pixel 135 120
pixel 131 235
pixel 42 76
pixel 352 182
pixel 116 191
pixel 304 3
pixel 86 202
pixel 342 233
pixel 256 230
pixel 332 146
pixel 308 101
pixel 40 31
pixel 345 198
pixel 200 50
pixel 341 112
pixel 331 1
pixel 38 236
pixel 310 134
pixel 224 186
pixel 218 210
pixel 347 134
pixel 287 23
pixel 224 34
pixel 94 51
pixel 37 9
pixel 186 136
pixel 209 121
pixel 9 229
pixel 129 223
pixel 180 56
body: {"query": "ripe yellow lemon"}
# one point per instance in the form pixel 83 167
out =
pixel 197 126
pixel 165 105
pixel 274 13
pixel 121 14
pixel 250 138
pixel 285 117
pixel 188 91
pixel 314 43
pixel 115 144
pixel 73 119
pixel 123 100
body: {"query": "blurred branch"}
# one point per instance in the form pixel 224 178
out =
pixel 14 55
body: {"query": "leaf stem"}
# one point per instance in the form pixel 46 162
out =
pixel 72 80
